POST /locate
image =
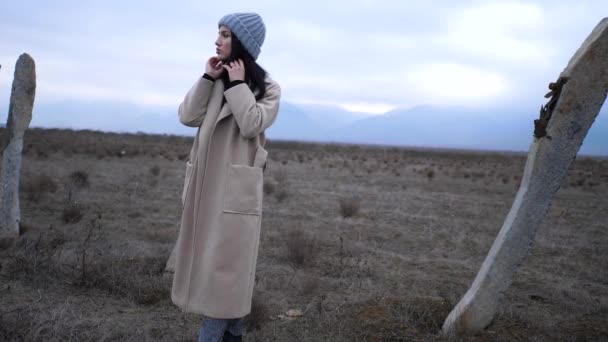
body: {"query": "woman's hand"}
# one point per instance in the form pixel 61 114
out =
pixel 214 67
pixel 236 70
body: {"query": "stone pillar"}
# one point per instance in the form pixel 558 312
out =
pixel 19 117
pixel 576 99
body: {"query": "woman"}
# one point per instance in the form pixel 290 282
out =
pixel 216 251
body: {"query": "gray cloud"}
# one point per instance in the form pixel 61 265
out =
pixel 374 53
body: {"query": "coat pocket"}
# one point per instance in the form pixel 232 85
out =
pixel 236 258
pixel 243 190
pixel 187 180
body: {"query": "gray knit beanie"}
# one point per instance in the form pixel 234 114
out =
pixel 249 29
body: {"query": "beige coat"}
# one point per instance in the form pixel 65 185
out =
pixel 217 246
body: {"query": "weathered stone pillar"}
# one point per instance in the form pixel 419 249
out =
pixel 577 98
pixel 19 117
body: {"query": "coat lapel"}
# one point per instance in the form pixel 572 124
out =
pixel 224 112
pixel 218 95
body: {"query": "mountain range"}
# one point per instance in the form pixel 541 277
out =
pixel 422 126
pixel 426 126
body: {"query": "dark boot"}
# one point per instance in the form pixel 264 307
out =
pixel 228 337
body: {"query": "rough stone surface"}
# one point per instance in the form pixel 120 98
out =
pixel 19 117
pixel 547 165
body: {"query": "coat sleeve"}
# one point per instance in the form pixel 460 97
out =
pixel 252 116
pixel 193 108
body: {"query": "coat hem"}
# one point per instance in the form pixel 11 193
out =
pixel 185 309
pixel 211 314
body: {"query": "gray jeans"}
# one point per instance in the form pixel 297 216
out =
pixel 213 329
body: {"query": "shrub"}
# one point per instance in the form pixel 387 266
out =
pixel 302 249
pixel 72 213
pixel 155 170
pixel 80 179
pixel 349 207
pixel 269 188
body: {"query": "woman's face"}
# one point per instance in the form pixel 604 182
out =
pixel 223 43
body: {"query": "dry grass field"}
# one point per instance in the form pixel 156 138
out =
pixel 371 243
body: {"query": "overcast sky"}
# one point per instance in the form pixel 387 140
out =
pixel 362 55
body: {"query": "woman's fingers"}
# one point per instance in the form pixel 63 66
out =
pixel 235 71
pixel 237 64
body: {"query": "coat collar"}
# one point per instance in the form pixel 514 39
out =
pixel 224 112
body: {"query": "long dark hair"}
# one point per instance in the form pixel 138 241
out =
pixel 254 74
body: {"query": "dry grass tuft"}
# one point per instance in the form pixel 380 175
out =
pixel 280 175
pixel 282 185
pixel 281 195
pixel 259 315
pixel 269 188
pixel 37 186
pixel 401 319
pixel 33 258
pixel 309 285
pixel 139 280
